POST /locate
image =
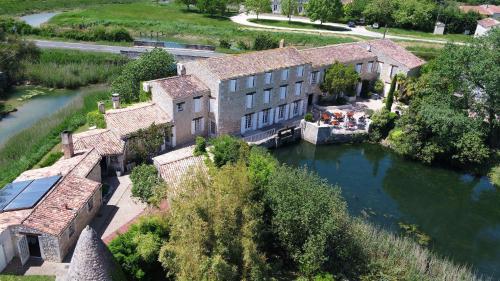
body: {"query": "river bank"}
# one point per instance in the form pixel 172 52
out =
pixel 457 211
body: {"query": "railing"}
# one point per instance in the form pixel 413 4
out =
pixel 260 136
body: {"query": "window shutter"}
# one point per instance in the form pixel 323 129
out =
pixel 261 117
pixel 202 120
pixel 267 95
pixel 249 101
pixel 192 127
pixel 254 121
pixel 276 115
pixel 287 109
pixel 243 124
pixel 301 107
pixel 271 116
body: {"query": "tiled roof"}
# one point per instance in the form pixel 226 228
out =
pixel 174 155
pixel 103 140
pixel 396 52
pixel 60 207
pixel 487 10
pixel 80 164
pixel 182 86
pixel 343 53
pixel 133 118
pixel 227 67
pixel 488 22
pixel 12 218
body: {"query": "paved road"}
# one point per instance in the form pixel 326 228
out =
pixel 357 31
pixel 116 49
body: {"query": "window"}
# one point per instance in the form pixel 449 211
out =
pixel 275 7
pixel 295 108
pixel 267 95
pixel 248 121
pixel 370 66
pixel 212 104
pixel 197 125
pixel 249 101
pixel 251 81
pixel 180 106
pixel 358 67
pixel 284 74
pixel 71 229
pixel 265 116
pixel 197 104
pixel 213 128
pixel 90 204
pixel 394 69
pixel 314 77
pixel 300 9
pixel 268 77
pixel 300 71
pixel 281 111
pixel 283 92
pixel 298 88
pixel 232 85
pixel 380 66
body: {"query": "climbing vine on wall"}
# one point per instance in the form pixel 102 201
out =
pixel 146 143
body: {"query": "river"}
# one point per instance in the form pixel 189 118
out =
pixel 35 20
pixel 459 212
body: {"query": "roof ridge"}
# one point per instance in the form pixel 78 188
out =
pixel 131 107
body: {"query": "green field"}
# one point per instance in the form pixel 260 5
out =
pixel 19 7
pixel 422 34
pixel 297 24
pixel 26 278
pixel 178 24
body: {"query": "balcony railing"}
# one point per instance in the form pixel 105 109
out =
pixel 260 136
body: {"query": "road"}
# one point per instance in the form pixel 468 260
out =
pixel 243 19
pixel 180 53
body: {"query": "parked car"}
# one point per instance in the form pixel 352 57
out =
pixel 361 21
pixel 376 25
pixel 351 24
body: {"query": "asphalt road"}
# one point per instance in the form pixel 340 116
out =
pixel 183 53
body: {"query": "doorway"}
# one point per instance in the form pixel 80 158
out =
pixel 34 246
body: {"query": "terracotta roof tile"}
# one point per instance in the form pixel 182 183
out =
pixel 182 86
pixel 343 53
pixel 227 67
pixel 13 218
pixel 133 118
pixel 59 208
pixel 488 22
pixel 103 140
pixel 486 10
pixel 396 52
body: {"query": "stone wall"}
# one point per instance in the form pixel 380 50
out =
pixel 49 244
pixel 323 134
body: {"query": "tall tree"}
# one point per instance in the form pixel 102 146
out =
pixel 390 96
pixel 289 8
pixel 354 10
pixel 324 10
pixel 340 79
pixel 257 6
pixel 380 11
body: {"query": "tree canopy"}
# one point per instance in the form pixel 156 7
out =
pixel 257 6
pixel 324 10
pixel 340 79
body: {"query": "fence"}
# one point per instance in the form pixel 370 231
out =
pixel 260 136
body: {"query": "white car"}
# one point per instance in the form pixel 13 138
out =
pixel 375 25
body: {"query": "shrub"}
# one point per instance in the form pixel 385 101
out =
pixel 95 118
pixel 228 149
pixel 200 147
pixel 264 42
pixel 309 117
pixel 383 122
pixel 495 175
pixel 378 87
pixel 223 43
pixel 51 159
pixel 241 45
pixel 145 181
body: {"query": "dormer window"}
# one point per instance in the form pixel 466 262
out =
pixel 232 85
pixel 300 71
pixel 180 106
pixel 268 76
pixel 284 74
pixel 251 81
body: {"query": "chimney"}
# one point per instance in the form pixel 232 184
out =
pixel 282 43
pixel 369 48
pixel 67 144
pixel 181 69
pixel 101 107
pixel 115 98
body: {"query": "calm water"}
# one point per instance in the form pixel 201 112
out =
pixel 36 20
pixel 459 212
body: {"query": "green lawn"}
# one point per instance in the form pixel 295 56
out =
pixel 421 34
pixel 26 278
pixel 18 7
pixel 297 24
pixel 178 24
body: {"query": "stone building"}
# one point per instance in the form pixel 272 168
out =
pixel 45 209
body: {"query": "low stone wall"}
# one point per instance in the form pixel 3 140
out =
pixel 324 134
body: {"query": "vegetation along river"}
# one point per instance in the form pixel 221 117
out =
pixel 458 212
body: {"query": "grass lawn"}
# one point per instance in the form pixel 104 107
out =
pixel 26 278
pixel 421 34
pixel 19 7
pixel 297 24
pixel 178 24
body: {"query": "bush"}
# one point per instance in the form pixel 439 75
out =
pixel 383 122
pixel 145 182
pixel 51 159
pixel 309 117
pixel 241 45
pixel 95 118
pixel 378 87
pixel 264 42
pixel 223 43
pixel 495 175
pixel 200 147
pixel 227 149
pixel 137 250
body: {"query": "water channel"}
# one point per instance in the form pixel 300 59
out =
pixel 459 212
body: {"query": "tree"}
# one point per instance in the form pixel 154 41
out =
pixel 390 96
pixel 265 42
pixel 188 3
pixel 146 143
pixel 257 6
pixel 145 180
pixel 416 14
pixel 324 10
pixel 155 64
pixel 380 11
pixel 227 149
pixel 383 122
pixel 354 10
pixel 340 79
pixel 213 7
pixel 289 8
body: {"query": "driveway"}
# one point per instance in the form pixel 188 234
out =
pixel 243 19
pixel 119 210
